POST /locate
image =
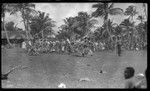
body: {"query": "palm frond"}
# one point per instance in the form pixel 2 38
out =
pixel 98 5
pixel 93 21
pixel 98 13
pixel 14 11
pixel 131 10
pixel 31 5
pixel 111 6
pixel 115 11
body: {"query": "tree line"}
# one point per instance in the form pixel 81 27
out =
pixel 38 25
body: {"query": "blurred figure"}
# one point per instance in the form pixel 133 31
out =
pixel 128 74
pixel 137 82
pixel 61 85
pixel 87 51
pixel 118 46
pixel 142 82
pixel 119 49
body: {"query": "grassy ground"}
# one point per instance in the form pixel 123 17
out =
pixel 49 70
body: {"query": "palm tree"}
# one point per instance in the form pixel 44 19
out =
pixel 131 12
pixel 5 9
pixel 98 34
pixel 83 24
pixel 25 9
pixel 142 32
pixel 130 31
pixel 69 28
pixel 114 31
pixel 42 24
pixel 66 31
pixel 103 10
pixel 63 35
pixel 77 27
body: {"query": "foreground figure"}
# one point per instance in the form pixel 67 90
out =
pixel 141 82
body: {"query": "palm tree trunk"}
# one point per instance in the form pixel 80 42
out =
pixel 6 33
pixel 42 34
pixel 129 41
pixel 107 28
pixel 26 28
pixel 29 30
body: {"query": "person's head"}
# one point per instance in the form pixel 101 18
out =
pixel 129 72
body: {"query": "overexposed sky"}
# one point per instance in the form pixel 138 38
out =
pixel 60 11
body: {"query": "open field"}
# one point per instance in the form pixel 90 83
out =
pixel 49 70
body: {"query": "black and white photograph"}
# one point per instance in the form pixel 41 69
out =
pixel 74 45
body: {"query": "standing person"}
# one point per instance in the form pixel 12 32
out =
pixel 68 46
pixel 119 47
pixel 87 51
pixel 63 46
pixel 84 52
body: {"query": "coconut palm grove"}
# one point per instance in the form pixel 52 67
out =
pixel 67 45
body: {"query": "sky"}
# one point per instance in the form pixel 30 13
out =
pixel 60 11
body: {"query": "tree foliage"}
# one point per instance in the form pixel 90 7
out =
pixel 42 23
pixel 78 26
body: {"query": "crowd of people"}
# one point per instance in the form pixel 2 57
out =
pixel 82 46
pixel 47 46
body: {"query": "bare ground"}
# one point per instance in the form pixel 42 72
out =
pixel 49 70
